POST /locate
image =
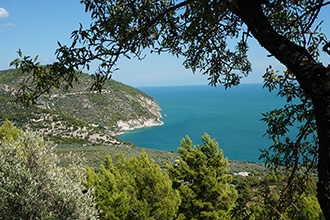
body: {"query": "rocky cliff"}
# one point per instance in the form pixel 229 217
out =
pixel 140 122
pixel 80 114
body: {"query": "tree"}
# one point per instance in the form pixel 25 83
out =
pixel 133 188
pixel 8 132
pixel 245 195
pixel 202 177
pixel 199 31
pixel 33 186
pixel 310 208
pixel 258 196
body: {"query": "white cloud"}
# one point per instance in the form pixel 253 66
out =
pixel 3 13
pixel 7 25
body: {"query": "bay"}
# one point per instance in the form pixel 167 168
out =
pixel 230 116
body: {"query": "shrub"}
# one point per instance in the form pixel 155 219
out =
pixel 33 186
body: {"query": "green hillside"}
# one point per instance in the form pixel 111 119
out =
pixel 77 115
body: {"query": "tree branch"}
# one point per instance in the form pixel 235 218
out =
pixel 168 10
pixel 296 58
pixel 326 48
pixel 295 167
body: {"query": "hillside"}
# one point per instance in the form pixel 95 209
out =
pixel 80 115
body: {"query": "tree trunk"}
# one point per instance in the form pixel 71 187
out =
pixel 321 103
pixel 312 76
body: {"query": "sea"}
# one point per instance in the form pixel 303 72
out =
pixel 231 116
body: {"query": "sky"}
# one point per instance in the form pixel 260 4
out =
pixel 35 27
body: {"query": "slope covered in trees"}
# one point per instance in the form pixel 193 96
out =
pixel 78 114
pixel 198 185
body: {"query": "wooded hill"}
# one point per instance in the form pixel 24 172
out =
pixel 78 115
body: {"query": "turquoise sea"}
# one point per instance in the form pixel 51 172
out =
pixel 230 116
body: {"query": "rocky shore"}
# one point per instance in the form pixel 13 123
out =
pixel 137 123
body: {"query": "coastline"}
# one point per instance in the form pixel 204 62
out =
pixel 133 124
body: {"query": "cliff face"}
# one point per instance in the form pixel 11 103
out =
pixel 137 123
pixel 142 121
pixel 80 114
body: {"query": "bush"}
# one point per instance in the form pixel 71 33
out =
pixel 33 186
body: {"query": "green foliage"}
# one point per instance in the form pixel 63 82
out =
pixel 310 208
pixel 259 196
pixel 42 78
pixel 133 188
pixel 202 177
pixel 245 195
pixel 94 156
pixel 296 117
pixel 8 132
pixel 297 154
pixel 33 186
pixel 124 28
pixel 65 116
pixel 211 37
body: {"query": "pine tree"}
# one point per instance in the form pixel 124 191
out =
pixel 203 180
pixel 134 188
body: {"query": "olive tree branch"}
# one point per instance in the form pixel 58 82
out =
pixel 289 184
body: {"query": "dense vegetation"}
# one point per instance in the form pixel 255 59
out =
pixel 197 185
pixel 33 186
pixel 77 114
pixel 202 177
pixel 133 188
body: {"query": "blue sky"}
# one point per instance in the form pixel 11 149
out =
pixel 35 26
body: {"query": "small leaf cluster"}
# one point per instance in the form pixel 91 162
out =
pixel 8 132
pixel 298 21
pixel 40 79
pixel 292 130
